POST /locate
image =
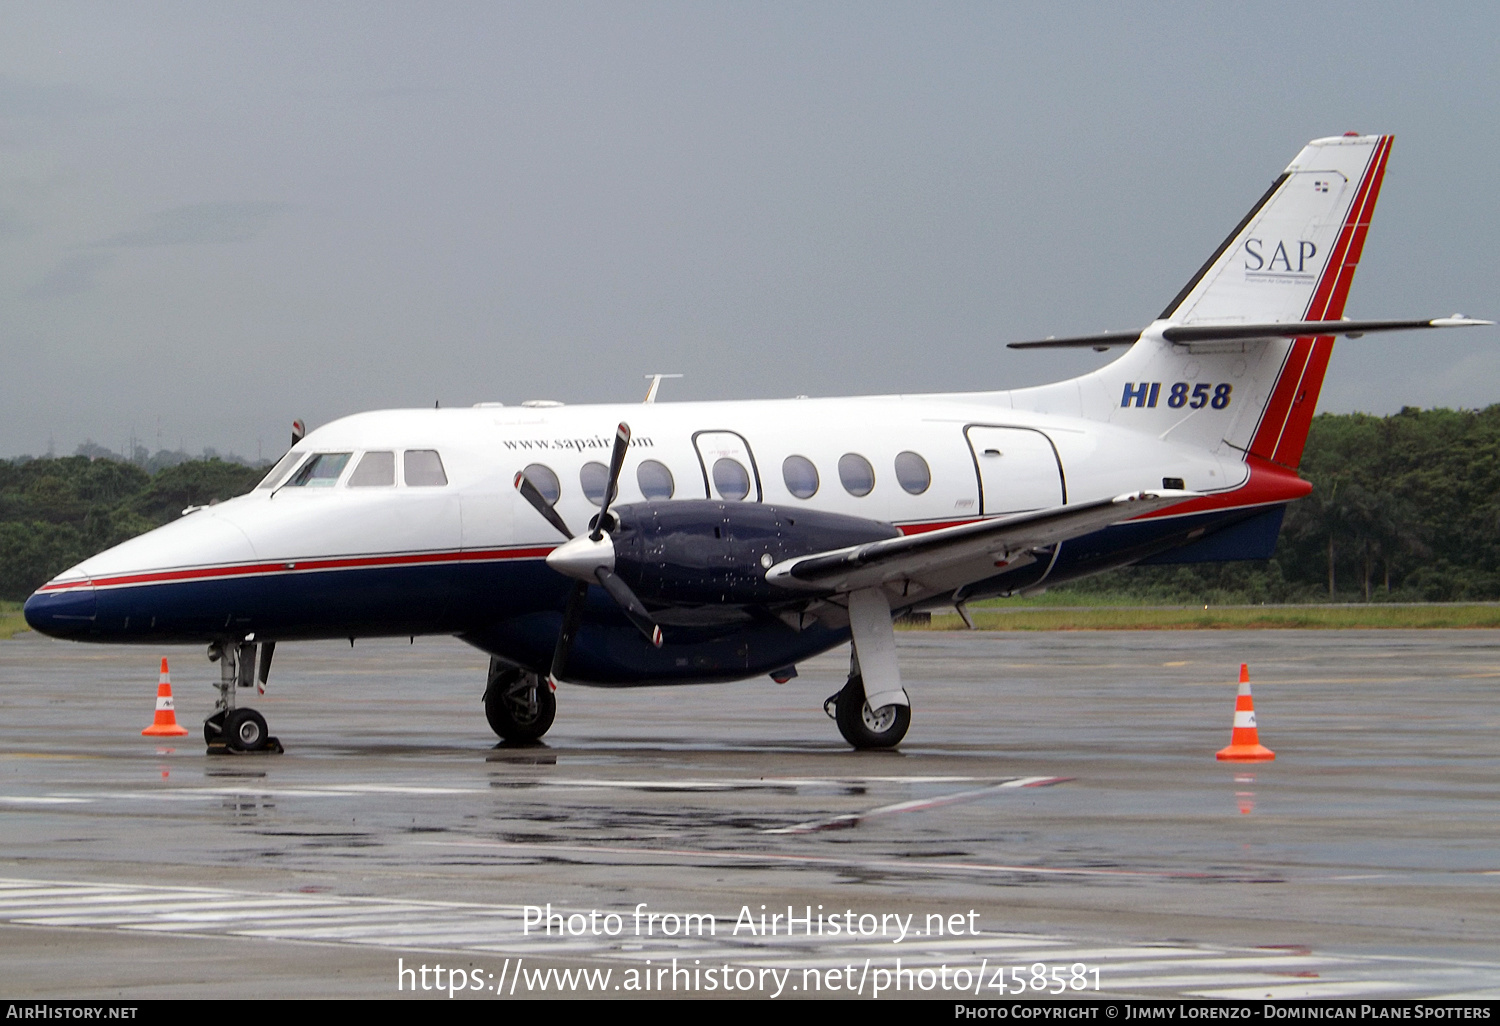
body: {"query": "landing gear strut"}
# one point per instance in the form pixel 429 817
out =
pixel 239 730
pixel 519 704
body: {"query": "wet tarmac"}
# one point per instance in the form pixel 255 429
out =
pixel 1056 806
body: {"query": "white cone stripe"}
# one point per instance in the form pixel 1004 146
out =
pixel 1245 718
pixel 163 702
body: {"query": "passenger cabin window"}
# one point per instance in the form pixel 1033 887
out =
pixel 322 471
pixel 731 479
pixel 594 479
pixel 545 481
pixel 912 473
pixel 281 470
pixel 856 474
pixel 423 468
pixel 374 470
pixel 655 480
pixel 801 476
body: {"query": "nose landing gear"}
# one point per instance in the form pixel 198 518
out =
pixel 519 704
pixel 233 730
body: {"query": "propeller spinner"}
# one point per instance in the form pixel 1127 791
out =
pixel 590 558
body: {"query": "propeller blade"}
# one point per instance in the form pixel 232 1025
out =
pixel 629 604
pixel 530 493
pixel 572 613
pixel 616 464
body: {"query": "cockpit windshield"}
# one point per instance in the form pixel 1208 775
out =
pixel 281 470
pixel 322 471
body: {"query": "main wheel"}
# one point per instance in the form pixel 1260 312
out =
pixel 245 730
pixel 519 705
pixel 864 727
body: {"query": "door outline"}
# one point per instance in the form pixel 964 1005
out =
pixel 1062 477
pixel 708 492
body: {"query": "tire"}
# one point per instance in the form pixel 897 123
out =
pixel 519 705
pixel 245 730
pixel 865 728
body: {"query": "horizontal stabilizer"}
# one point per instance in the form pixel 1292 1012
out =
pixel 1186 333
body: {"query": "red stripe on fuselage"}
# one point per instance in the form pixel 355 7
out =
pixel 1268 484
pixel 297 566
pixel 936 525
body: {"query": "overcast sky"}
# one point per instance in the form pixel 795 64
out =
pixel 215 217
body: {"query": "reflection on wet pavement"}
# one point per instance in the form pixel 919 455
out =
pixel 1062 786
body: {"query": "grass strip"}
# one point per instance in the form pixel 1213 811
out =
pixel 11 620
pixel 1160 618
pixel 1001 617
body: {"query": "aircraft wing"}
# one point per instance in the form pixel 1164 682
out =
pixel 967 552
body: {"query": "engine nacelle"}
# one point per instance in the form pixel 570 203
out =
pixel 697 552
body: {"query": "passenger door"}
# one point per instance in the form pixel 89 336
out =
pixel 1018 468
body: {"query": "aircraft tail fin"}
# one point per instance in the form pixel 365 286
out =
pixel 1192 377
pixel 1293 256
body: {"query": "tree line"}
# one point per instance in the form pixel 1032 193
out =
pixel 58 511
pixel 1403 508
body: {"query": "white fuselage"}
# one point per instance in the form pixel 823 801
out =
pixel 985 458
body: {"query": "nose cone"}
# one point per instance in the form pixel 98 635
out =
pixel 581 556
pixel 62 608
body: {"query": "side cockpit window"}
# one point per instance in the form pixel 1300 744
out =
pixel 321 471
pixel 375 470
pixel 281 470
pixel 423 468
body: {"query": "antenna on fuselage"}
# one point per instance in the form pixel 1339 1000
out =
pixel 655 380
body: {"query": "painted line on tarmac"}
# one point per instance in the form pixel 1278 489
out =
pixel 1320 989
pixel 853 819
pixel 251 790
pixel 921 867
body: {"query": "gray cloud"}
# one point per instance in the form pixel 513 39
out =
pixel 12 224
pixel 201 223
pixel 20 99
pixel 76 275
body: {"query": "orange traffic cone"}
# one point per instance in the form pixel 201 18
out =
pixel 1244 743
pixel 165 724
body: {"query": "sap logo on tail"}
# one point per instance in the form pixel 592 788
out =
pixel 1280 260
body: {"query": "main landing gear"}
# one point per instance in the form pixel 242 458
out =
pixel 862 726
pixel 519 704
pixel 872 710
pixel 235 730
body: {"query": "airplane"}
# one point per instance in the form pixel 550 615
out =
pixel 698 542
